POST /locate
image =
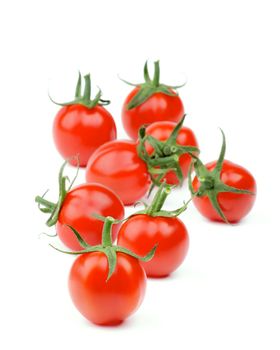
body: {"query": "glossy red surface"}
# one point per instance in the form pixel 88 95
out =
pixel 77 209
pixel 140 234
pixel 106 302
pixel 156 108
pixel 235 206
pixel 78 130
pixel 116 165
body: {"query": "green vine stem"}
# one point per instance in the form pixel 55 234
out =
pixel 85 98
pixel 150 87
pixel 166 154
pixel 210 181
pixel 106 247
pixel 155 208
pixel 48 207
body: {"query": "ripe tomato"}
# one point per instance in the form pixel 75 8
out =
pixel 116 165
pixel 102 301
pixel 234 205
pixel 157 107
pixel 162 131
pixel 79 130
pixel 77 209
pixel 150 102
pixel 82 125
pixel 107 282
pixel 141 232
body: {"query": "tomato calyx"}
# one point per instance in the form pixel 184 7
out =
pixel 166 154
pixel 85 98
pixel 106 247
pixel 48 207
pixel 155 208
pixel 210 181
pixel 150 87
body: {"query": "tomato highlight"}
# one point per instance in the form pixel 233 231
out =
pixel 75 206
pixel 129 169
pixel 222 190
pixel 150 102
pixel 153 226
pixel 103 274
pixel 82 125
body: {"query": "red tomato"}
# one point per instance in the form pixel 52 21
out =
pixel 106 302
pixel 77 209
pixel 234 205
pixel 140 233
pixel 79 130
pixel 116 165
pixel 161 131
pixel 157 107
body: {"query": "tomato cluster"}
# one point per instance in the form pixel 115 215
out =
pixel 107 281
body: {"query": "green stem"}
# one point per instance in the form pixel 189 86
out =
pixel 159 199
pixel 164 161
pixel 106 233
pixel 46 203
pixel 164 194
pixel 78 86
pixel 87 91
pixel 156 74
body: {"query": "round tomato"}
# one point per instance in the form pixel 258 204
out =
pixel 162 131
pixel 117 165
pixel 77 209
pixel 140 233
pixel 150 102
pixel 233 205
pixel 157 107
pixel 79 130
pixel 82 125
pixel 102 301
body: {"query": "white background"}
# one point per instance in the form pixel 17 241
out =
pixel 226 294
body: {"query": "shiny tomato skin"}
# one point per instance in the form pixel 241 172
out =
pixel 140 233
pixel 186 137
pixel 111 302
pixel 78 130
pixel 77 209
pixel 157 107
pixel 116 165
pixel 235 206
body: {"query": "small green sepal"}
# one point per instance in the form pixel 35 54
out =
pixel 210 181
pixel 150 87
pixel 166 154
pixel 155 208
pixel 48 207
pixel 85 98
pixel 106 247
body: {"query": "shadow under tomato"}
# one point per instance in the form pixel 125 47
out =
pixel 112 325
pixel 159 277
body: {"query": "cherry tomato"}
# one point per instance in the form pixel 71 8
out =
pixel 141 232
pixel 158 107
pixel 116 165
pixel 162 131
pixel 79 130
pixel 234 205
pixel 77 209
pixel 102 301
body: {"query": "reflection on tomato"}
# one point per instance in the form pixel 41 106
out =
pixel 141 233
pixel 117 165
pixel 77 209
pixel 106 302
pixel 234 205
